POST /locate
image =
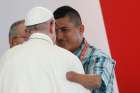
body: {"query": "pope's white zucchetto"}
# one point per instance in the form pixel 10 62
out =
pixel 38 15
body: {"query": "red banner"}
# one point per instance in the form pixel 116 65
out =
pixel 122 21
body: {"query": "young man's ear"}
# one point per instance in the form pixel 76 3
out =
pixel 82 29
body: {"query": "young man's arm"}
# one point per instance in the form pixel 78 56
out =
pixel 88 81
pixel 99 75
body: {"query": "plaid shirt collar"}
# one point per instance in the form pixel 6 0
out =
pixel 79 50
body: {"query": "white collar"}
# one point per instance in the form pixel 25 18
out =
pixel 41 36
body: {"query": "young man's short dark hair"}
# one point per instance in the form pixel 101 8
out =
pixel 69 12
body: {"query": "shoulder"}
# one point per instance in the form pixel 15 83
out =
pixel 66 53
pixel 7 55
pixel 12 52
pixel 100 56
pixel 70 59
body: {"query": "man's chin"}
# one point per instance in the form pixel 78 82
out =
pixel 62 46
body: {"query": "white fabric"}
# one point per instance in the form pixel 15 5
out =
pixel 38 66
pixel 115 86
pixel 38 15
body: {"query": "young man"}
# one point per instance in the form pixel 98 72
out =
pixel 99 67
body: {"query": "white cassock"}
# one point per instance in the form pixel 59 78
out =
pixel 39 66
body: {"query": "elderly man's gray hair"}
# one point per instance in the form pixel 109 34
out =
pixel 12 31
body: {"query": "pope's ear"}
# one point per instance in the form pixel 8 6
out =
pixel 52 25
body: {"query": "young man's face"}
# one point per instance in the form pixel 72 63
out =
pixel 21 35
pixel 68 35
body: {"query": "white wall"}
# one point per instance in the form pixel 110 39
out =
pixel 13 10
